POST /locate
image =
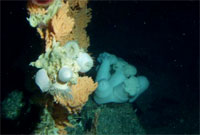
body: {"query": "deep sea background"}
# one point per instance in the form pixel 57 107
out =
pixel 160 38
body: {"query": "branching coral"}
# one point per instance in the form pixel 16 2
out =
pixel 69 22
pixel 80 93
pixel 82 16
pixel 62 24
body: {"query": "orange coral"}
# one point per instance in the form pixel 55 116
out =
pixel 70 22
pixel 78 3
pixel 62 24
pixel 67 24
pixel 80 93
pixel 39 30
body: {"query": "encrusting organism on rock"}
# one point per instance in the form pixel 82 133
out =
pixel 62 25
pixel 80 93
pixel 63 20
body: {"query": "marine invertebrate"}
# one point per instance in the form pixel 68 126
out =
pixel 85 62
pixel 54 88
pixel 66 20
pixel 41 16
pixel 72 49
pixel 62 25
pixel 61 90
pixel 80 93
pixel 143 85
pixel 54 59
pixel 42 80
pixel 59 75
pixel 65 74
pixel 60 87
pixel 120 85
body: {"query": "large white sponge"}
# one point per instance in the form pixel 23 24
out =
pixel 85 62
pixel 42 80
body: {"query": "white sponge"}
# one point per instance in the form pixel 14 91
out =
pixel 85 62
pixel 117 81
pixel 65 74
pixel 42 80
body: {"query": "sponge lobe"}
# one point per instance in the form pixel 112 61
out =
pixel 85 61
pixel 42 80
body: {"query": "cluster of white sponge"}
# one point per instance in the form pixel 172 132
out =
pixel 60 65
pixel 117 80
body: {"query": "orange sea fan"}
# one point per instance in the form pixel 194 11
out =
pixel 67 24
pixel 70 22
pixel 80 29
pixel 78 3
pixel 80 93
pixel 62 24
pixel 81 36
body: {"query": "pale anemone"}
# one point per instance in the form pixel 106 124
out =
pixel 72 49
pixel 85 62
pixel 65 74
pixel 58 89
pixel 42 80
